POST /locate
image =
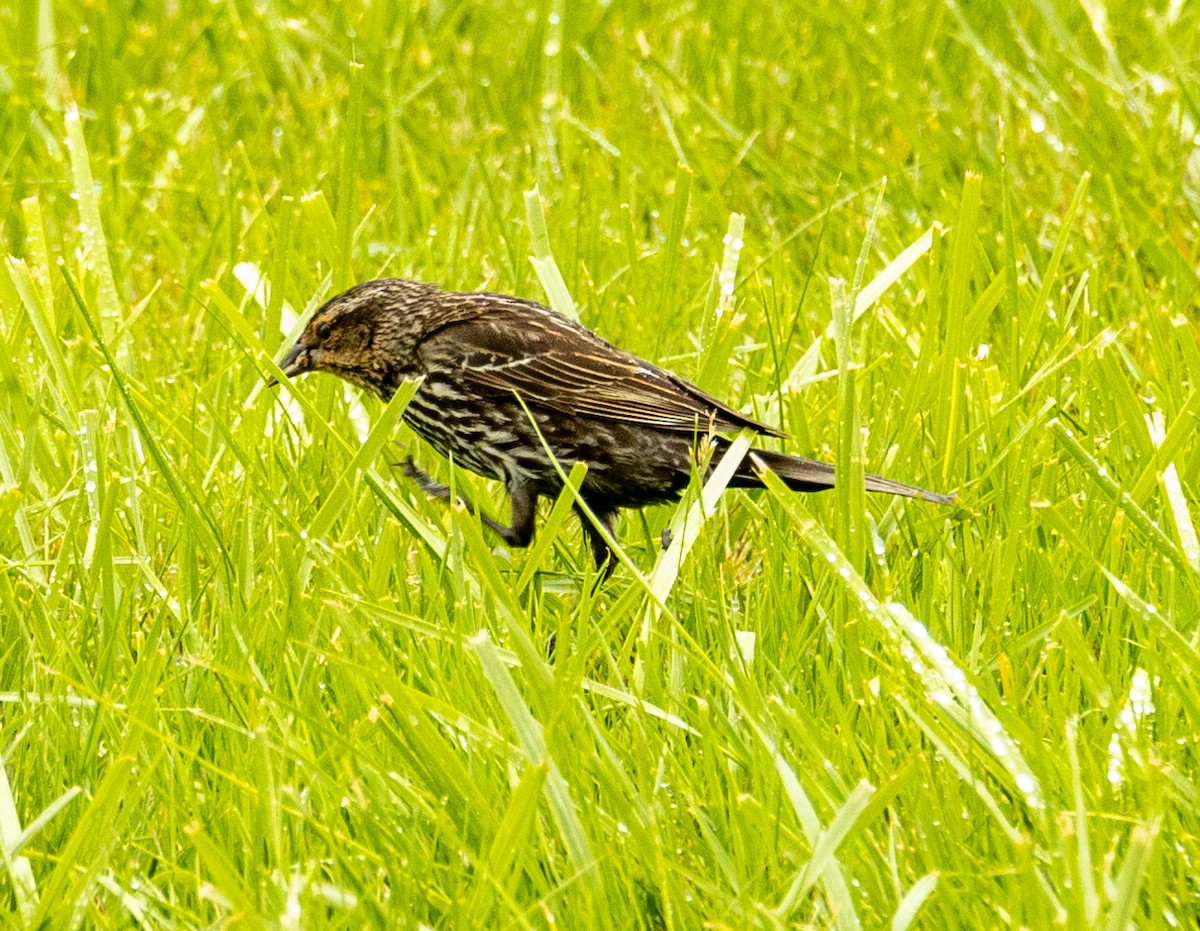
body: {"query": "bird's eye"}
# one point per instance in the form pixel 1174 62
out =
pixel 324 330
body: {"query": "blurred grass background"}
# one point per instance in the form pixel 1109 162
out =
pixel 250 677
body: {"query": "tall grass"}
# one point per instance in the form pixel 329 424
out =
pixel 252 677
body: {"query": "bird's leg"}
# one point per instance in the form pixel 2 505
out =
pixel 524 505
pixel 524 509
pixel 605 558
pixel 427 484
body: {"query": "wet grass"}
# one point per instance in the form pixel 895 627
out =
pixel 251 676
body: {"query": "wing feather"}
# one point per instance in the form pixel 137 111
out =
pixel 551 362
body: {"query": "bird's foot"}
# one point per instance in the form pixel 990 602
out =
pixel 427 484
pixel 422 479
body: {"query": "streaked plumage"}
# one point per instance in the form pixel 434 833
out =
pixel 482 355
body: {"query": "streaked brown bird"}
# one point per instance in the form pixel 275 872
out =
pixel 492 362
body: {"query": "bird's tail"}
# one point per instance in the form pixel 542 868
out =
pixel 800 474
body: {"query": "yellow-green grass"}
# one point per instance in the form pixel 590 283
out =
pixel 250 676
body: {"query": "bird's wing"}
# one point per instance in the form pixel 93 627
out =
pixel 522 348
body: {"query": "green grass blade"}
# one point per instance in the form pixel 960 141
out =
pixel 529 736
pixel 95 246
pixel 1133 874
pixel 347 199
pixel 557 292
pixel 911 904
pixel 338 494
pixel 12 838
pixel 832 879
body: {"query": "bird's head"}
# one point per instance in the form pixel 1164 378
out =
pixel 366 335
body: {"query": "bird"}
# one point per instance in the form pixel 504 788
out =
pixel 507 383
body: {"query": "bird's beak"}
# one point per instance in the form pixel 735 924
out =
pixel 295 362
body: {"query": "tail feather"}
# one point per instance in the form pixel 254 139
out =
pixel 801 474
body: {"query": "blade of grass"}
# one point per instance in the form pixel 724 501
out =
pixel 910 905
pixel 947 686
pixel 689 519
pixel 38 252
pixel 95 246
pixel 347 200
pixel 670 252
pixel 338 495
pixel 551 527
pixel 1085 882
pixel 718 333
pixel 1100 477
pixel 826 847
pixel 1126 899
pixel 188 502
pixel 841 905
pixel 557 292
pixel 529 736
pixel 41 316
pixel 1185 530
pixel 509 849
pixel 103 821
pixel 12 839
pixel 961 270
pixel 221 872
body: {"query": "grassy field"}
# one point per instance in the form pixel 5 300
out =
pixel 251 677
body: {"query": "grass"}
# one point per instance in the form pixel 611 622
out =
pixel 252 677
